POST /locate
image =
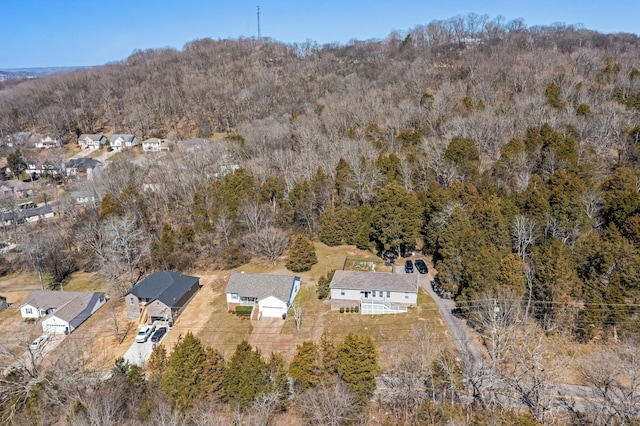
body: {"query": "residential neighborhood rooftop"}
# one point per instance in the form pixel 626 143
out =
pixel 385 281
pixel 166 286
pixel 261 285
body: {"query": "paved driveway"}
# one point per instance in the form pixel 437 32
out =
pixel 139 353
pixel 266 335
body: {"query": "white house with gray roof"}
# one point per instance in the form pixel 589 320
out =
pixel 374 292
pixel 270 295
pixel 92 141
pixel 120 142
pixel 61 311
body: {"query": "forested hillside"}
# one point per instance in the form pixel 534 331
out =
pixel 509 153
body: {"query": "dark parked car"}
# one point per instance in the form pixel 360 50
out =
pixel 157 335
pixel 421 266
pixel 408 267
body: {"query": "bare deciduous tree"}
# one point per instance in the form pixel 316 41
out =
pixel 523 235
pixel 297 314
pixel 269 243
pixel 328 404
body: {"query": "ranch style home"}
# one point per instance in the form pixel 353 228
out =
pixel 269 295
pixel 161 296
pixel 374 292
pixel 61 311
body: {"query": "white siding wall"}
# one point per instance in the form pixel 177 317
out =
pixel 55 325
pixel 33 314
pixel 348 294
pixel 230 298
pixel 394 297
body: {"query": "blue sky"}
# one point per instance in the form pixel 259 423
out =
pixel 42 33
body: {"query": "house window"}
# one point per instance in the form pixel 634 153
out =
pixel 341 292
pixel 29 311
pixel 388 294
pixel 131 301
pixel 234 296
pixel 406 295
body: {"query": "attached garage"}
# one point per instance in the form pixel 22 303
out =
pixel 55 325
pixel 272 307
pixel 273 294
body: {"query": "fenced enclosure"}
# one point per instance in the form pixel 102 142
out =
pixel 366 265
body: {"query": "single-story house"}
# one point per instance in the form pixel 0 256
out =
pixel 374 292
pixel 161 296
pixel 120 142
pixel 83 168
pixel 271 295
pixel 156 145
pixel 3 303
pixel 47 142
pixel 61 311
pixel 88 141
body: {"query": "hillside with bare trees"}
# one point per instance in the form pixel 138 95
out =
pixel 507 153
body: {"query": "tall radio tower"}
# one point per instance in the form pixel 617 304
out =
pixel 259 35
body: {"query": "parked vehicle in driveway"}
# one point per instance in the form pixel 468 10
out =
pixel 38 343
pixel 144 332
pixel 408 267
pixel 157 335
pixel 421 266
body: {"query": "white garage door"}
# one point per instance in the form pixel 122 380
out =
pixel 272 311
pixel 54 328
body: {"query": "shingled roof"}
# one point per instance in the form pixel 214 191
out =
pixel 47 299
pixel 262 286
pixel 384 281
pixel 167 286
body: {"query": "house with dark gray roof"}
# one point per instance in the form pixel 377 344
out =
pixel 61 311
pixel 83 168
pixel 269 295
pixel 374 292
pixel 161 296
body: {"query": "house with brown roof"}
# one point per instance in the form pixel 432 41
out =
pixel 374 292
pixel 269 295
pixel 61 311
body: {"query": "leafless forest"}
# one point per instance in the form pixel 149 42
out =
pixel 509 153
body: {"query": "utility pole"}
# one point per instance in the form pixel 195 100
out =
pixel 258 11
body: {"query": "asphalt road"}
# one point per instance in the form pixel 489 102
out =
pixel 554 395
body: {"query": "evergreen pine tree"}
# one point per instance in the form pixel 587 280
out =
pixel 213 374
pixel 157 364
pixel 183 379
pixel 358 365
pixel 304 367
pixel 302 254
pixel 246 376
pixel 278 379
